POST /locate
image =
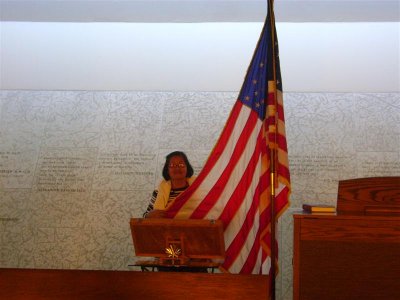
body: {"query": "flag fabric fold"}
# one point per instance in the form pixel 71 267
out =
pixel 235 182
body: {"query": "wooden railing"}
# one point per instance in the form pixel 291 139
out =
pixel 83 284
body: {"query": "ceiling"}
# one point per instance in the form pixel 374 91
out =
pixel 157 11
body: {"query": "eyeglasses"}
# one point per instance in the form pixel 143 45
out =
pixel 180 165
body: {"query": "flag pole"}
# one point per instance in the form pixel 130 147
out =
pixel 273 155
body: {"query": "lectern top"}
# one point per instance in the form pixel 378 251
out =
pixel 200 239
pixel 369 196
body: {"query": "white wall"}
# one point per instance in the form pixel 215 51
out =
pixel 315 57
pixel 331 136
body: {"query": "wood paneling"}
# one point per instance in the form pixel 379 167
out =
pixel 80 284
pixel 346 257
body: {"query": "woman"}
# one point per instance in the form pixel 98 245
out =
pixel 178 175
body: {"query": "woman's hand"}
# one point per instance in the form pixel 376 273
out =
pixel 156 213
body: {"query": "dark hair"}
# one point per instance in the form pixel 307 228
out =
pixel 189 167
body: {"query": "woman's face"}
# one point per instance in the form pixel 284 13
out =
pixel 177 168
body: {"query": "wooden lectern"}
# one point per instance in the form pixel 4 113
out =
pixel 178 243
pixel 355 253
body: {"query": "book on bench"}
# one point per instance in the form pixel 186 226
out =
pixel 319 208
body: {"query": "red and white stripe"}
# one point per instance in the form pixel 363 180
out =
pixel 234 186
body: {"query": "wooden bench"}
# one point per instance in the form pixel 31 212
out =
pixel 353 254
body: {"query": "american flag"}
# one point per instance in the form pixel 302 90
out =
pixel 235 183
